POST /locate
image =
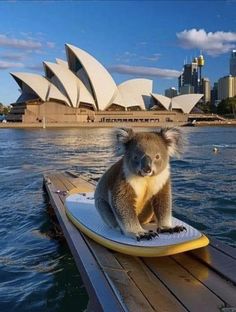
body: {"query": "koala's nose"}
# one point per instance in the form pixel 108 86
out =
pixel 146 164
pixel 147 169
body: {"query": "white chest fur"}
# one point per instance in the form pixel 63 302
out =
pixel 146 187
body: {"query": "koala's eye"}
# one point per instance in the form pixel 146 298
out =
pixel 157 156
pixel 135 157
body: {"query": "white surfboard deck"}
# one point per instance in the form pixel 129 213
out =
pixel 82 212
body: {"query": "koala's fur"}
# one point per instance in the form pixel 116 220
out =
pixel 138 187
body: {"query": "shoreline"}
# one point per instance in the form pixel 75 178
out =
pixel 15 125
pixel 226 123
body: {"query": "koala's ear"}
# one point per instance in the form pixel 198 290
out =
pixel 122 136
pixel 174 140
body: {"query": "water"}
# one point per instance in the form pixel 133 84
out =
pixel 38 273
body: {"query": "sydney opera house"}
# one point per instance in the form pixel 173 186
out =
pixel 81 90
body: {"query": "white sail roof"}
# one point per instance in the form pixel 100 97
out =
pixel 163 100
pixel 61 62
pixel 185 102
pixel 69 82
pixel 102 83
pixel 71 85
pixel 40 85
pixel 134 92
pixel 84 95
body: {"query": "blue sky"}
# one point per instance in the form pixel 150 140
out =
pixel 130 38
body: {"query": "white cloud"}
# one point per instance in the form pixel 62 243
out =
pixel 153 58
pixel 10 56
pixel 19 43
pixel 144 71
pixel 211 43
pixel 6 65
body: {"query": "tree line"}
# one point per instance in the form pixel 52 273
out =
pixel 4 110
pixel 225 107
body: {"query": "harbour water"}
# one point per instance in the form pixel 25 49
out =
pixel 38 273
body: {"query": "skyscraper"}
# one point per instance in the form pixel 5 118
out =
pixel 226 87
pixel 191 76
pixel 214 94
pixel 232 63
pixel 206 89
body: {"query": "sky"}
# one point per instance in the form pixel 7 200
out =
pixel 132 39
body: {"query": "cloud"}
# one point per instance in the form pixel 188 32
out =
pixel 126 57
pixel 144 71
pixel 12 56
pixel 214 44
pixel 19 43
pixel 6 65
pixel 153 58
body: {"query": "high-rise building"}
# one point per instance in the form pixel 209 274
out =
pixel 206 89
pixel 186 89
pixel 180 82
pixel 192 75
pixel 214 94
pixel 171 92
pixel 232 69
pixel 226 87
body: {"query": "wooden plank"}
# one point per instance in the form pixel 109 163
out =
pixel 62 184
pixel 68 184
pixel 60 188
pixel 191 292
pixel 219 286
pixel 78 184
pixel 95 282
pixel 72 175
pixel 77 180
pixel 127 289
pixel 151 287
pixel 228 250
pixel 220 262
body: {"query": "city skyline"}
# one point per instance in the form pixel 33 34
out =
pixel 120 36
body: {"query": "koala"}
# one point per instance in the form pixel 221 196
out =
pixel 137 188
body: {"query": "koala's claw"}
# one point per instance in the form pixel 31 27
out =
pixel 176 229
pixel 146 235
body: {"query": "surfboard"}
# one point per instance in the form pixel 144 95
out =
pixel 81 210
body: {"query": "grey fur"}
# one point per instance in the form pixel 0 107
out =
pixel 120 198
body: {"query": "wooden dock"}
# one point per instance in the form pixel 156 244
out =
pixel 198 281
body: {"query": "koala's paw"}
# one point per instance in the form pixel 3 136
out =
pixel 176 229
pixel 146 235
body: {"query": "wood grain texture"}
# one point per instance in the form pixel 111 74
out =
pixel 217 260
pixel 190 291
pixel 220 287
